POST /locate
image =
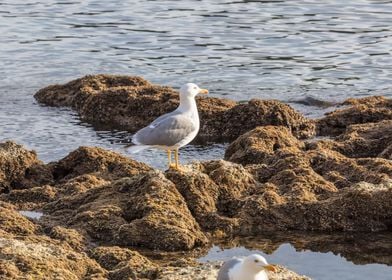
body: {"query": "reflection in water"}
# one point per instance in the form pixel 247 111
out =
pixel 336 256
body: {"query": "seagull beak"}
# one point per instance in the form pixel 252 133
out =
pixel 270 267
pixel 203 91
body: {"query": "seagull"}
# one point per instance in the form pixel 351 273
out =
pixel 253 267
pixel 173 130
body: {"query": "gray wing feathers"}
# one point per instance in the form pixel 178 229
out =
pixel 224 270
pixel 166 131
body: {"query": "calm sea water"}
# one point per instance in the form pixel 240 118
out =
pixel 286 50
pixel 321 257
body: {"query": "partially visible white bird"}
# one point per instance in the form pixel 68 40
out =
pixel 173 130
pixel 253 267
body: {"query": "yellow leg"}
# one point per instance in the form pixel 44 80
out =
pixel 176 159
pixel 169 158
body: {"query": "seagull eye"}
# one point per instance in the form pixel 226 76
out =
pixel 256 261
pixel 194 87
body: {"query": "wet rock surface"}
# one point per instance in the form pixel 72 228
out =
pixel 131 103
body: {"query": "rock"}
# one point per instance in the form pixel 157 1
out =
pixel 32 198
pixel 342 211
pixel 124 263
pixel 98 162
pixel 26 254
pixel 259 144
pixel 363 110
pixel 72 237
pixel 15 163
pixel 247 116
pixel 144 210
pixel 301 186
pixel 363 140
pixel 14 223
pixel 41 259
pixel 131 103
pixel 213 193
pixel 314 101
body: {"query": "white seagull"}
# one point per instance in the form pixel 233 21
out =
pixel 173 130
pixel 252 267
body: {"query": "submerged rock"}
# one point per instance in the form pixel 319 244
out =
pixel 131 103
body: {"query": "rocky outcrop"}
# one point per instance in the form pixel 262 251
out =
pixel 105 214
pixel 357 111
pixel 145 210
pixel 279 183
pixel 260 144
pixel 363 140
pixel 310 187
pixel 96 162
pixel 123 263
pixel 131 103
pixel 25 253
pixel 17 167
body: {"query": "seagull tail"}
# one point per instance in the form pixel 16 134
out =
pixel 136 148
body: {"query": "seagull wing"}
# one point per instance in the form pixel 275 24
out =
pixel 167 130
pixel 226 267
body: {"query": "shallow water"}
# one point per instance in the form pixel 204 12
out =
pixel 31 214
pixel 348 257
pixel 287 50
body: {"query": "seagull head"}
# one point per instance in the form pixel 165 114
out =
pixel 190 90
pixel 257 263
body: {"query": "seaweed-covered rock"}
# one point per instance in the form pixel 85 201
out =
pixel 96 161
pixel 132 102
pixel 363 140
pixel 247 116
pixel 362 207
pixel 27 254
pixel 359 111
pixel 39 258
pixel 15 165
pixel 123 263
pixel 14 223
pixel 213 192
pixel 308 187
pixel 259 144
pixel 32 198
pixel 144 210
